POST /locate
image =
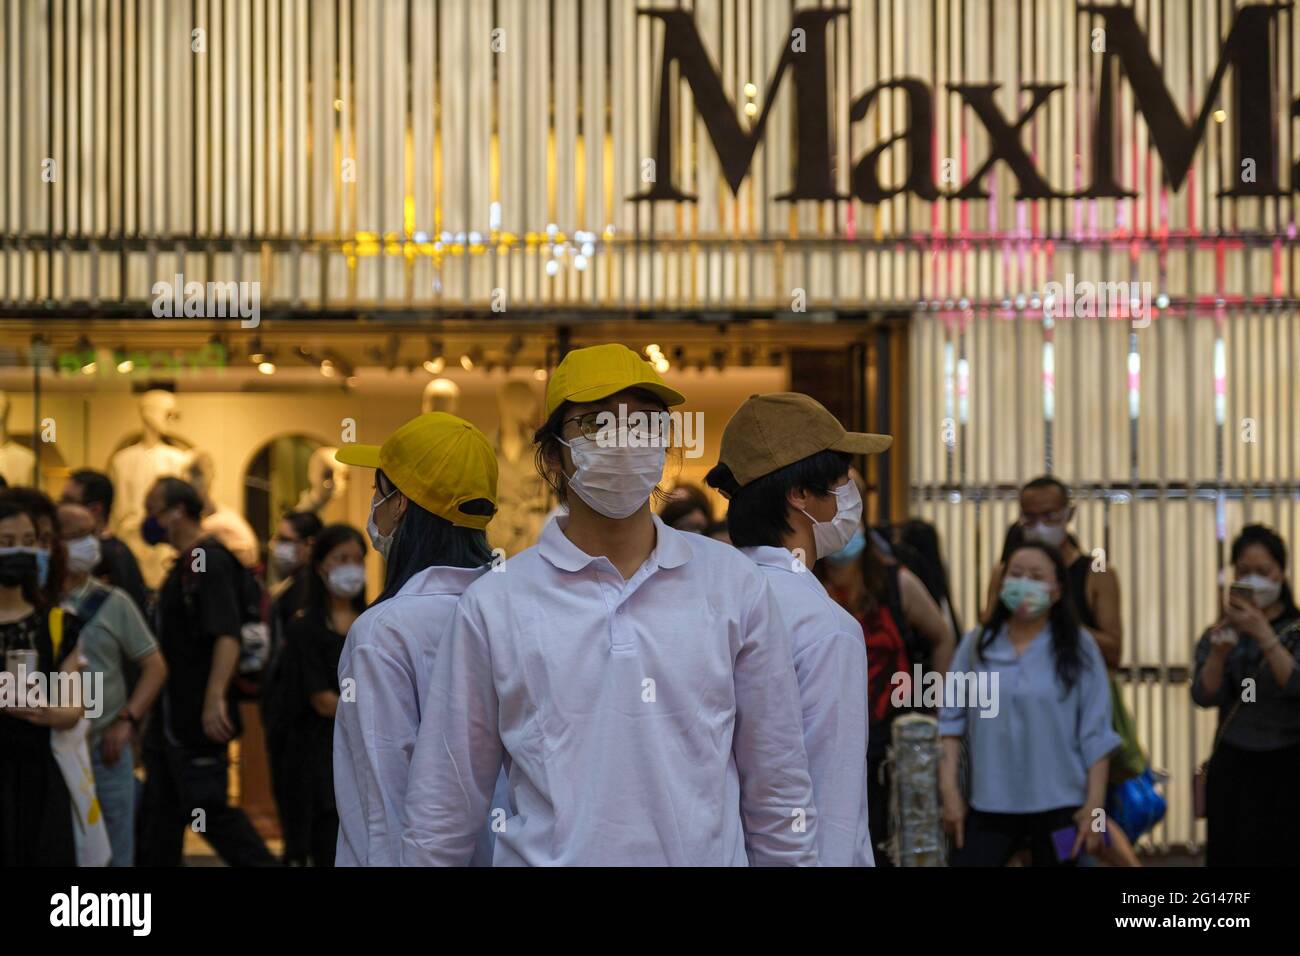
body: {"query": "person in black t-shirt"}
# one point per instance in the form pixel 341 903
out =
pixel 198 624
pixel 117 565
pixel 335 598
pixel 290 559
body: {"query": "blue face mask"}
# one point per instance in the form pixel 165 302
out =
pixel 851 550
pixel 42 567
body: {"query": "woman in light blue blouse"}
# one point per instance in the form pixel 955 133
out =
pixel 1036 719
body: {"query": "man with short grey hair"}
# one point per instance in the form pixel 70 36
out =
pixel 115 638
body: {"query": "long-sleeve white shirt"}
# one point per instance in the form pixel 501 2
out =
pixel 830 663
pixel 388 657
pixel 652 721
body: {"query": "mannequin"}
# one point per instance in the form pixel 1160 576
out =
pixel 441 395
pixel 16 462
pixel 521 492
pixel 134 469
pixel 327 480
pixel 225 524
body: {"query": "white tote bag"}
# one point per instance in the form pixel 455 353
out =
pixel 71 751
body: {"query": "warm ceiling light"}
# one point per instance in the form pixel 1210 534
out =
pixel 435 366
pixel 751 90
pixel 327 368
pixel 266 368
pixel 1220 116
pixel 125 366
pixel 540 374
pixel 88 368
pixel 466 363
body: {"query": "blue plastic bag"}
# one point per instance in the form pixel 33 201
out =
pixel 1136 805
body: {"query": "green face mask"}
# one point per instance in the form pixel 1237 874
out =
pixel 1025 596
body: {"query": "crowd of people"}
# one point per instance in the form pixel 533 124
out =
pixel 637 688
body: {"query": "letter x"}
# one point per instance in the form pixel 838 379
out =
pixel 1006 140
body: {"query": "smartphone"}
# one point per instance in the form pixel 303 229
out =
pixel 1243 591
pixel 1063 842
pixel 1223 635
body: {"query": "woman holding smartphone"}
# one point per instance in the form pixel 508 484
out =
pixel 1039 734
pixel 636 680
pixel 1248 666
pixel 35 807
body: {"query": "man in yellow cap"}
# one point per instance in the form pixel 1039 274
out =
pixel 435 492
pixel 636 679
pixel 784 468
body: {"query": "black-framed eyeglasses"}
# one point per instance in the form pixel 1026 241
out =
pixel 593 424
pixel 588 424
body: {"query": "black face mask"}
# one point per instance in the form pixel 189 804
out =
pixel 17 567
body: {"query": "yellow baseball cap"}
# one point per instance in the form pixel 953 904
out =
pixel 440 462
pixel 599 371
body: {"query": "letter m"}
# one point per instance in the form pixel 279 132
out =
pixel 225 300
pixel 735 147
pixel 1248 50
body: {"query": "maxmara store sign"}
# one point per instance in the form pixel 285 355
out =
pixel 1124 56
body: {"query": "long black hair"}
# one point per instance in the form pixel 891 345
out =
pixel 37 505
pixel 9 508
pixel 1062 617
pixel 318 596
pixel 1272 542
pixel 923 540
pixel 424 540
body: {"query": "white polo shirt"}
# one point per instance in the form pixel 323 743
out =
pixel 830 662
pixel 389 656
pixel 653 721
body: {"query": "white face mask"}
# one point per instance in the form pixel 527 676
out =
pixel 382 542
pixel 83 553
pixel 615 481
pixel 1049 534
pixel 1264 592
pixel 831 536
pixel 284 555
pixel 346 580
